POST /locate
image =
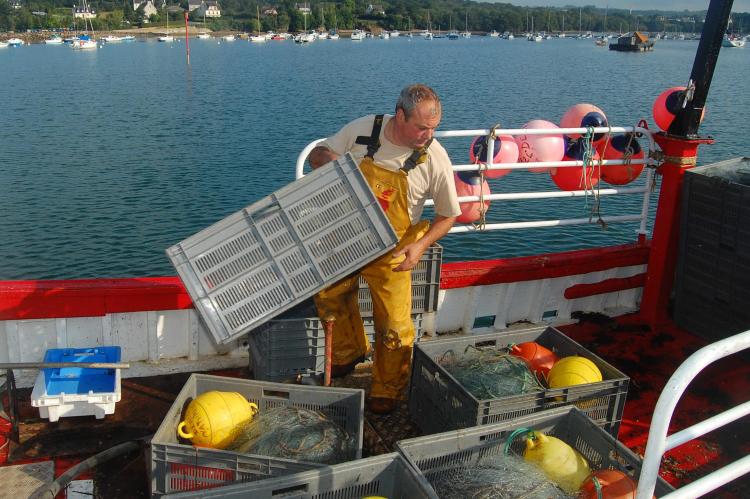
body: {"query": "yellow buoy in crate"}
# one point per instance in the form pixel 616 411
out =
pixel 573 370
pixel 215 418
pixel 559 461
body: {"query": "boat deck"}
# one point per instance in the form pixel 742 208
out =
pixel 649 358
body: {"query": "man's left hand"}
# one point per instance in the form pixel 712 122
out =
pixel 411 253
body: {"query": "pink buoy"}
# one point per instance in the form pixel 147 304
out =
pixel 572 178
pixel 506 151
pixel 533 148
pixel 584 115
pixel 618 147
pixel 468 184
pixel 667 105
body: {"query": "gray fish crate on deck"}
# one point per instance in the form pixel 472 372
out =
pixel 387 475
pixel 435 455
pixel 293 344
pixel 279 251
pixel 177 467
pixel 438 402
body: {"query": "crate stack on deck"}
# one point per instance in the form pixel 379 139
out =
pixel 712 285
pixel 293 345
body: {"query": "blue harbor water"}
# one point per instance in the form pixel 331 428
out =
pixel 110 156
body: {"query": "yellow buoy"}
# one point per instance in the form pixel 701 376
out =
pixel 215 418
pixel 573 370
pixel 559 461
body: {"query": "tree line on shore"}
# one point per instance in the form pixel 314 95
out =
pixel 241 15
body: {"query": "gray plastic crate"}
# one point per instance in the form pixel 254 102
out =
pixel 293 344
pixel 435 455
pixel 279 251
pixel 177 466
pixel 425 284
pixel 387 475
pixel 438 402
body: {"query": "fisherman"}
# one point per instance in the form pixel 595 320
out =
pixel 404 167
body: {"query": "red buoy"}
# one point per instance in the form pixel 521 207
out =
pixel 572 178
pixel 614 484
pixel 618 148
pixel 666 106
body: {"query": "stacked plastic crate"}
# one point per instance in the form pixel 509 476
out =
pixel 293 344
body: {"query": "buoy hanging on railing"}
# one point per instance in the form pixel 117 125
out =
pixel 584 115
pixel 619 148
pixel 572 178
pixel 471 184
pixel 666 106
pixel 506 151
pixel 533 148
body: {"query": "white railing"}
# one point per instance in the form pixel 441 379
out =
pixel 645 189
pixel 659 442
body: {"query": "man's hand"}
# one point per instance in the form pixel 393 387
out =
pixel 413 252
pixel 321 155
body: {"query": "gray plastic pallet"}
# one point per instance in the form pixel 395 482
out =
pixel 435 455
pixel 279 251
pixel 178 466
pixel 387 475
pixel 438 402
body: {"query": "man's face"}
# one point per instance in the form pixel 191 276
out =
pixel 416 130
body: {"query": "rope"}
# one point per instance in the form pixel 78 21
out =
pixel 512 436
pixel 587 173
pixel 482 168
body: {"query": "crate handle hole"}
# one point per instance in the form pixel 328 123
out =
pixel 276 393
pixel 289 490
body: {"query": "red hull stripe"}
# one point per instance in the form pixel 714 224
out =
pixel 97 297
pixel 531 268
pixel 605 286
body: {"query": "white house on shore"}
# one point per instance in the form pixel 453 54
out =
pixel 209 8
pixel 84 12
pixel 149 9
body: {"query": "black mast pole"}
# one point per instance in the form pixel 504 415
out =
pixel 688 118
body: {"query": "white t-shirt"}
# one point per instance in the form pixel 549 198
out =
pixel 432 179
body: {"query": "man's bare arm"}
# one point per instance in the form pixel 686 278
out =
pixel 321 155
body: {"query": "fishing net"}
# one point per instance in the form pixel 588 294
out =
pixel 489 373
pixel 494 477
pixel 294 433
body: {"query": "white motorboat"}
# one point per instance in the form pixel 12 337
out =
pixel 112 39
pixel 733 41
pixel 15 42
pixel 53 40
pixel 358 35
pixel 166 38
pixel 228 38
pixel 203 36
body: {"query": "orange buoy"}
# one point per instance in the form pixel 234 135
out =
pixel 614 484
pixel 584 115
pixel 539 358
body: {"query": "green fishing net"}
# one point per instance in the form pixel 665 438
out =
pixel 489 373
pixel 295 433
pixel 494 477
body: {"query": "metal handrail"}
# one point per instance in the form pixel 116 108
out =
pixel 658 441
pixel 645 190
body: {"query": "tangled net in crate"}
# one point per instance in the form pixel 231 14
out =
pixel 294 433
pixel 493 477
pixel 489 373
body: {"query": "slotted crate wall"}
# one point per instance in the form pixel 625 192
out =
pixel 436 455
pixel 387 475
pixel 712 284
pixel 178 466
pixel 438 402
pixel 279 251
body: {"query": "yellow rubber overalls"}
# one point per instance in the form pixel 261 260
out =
pixel 391 291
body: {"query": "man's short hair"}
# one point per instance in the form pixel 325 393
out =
pixel 414 94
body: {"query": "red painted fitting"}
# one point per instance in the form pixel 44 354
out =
pixel 679 155
pixel 328 324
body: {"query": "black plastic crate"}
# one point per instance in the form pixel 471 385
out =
pixel 712 282
pixel 438 402
pixel 434 455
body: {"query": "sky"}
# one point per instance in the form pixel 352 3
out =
pixel 676 5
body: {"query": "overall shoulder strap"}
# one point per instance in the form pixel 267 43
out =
pixel 417 156
pixel 373 141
